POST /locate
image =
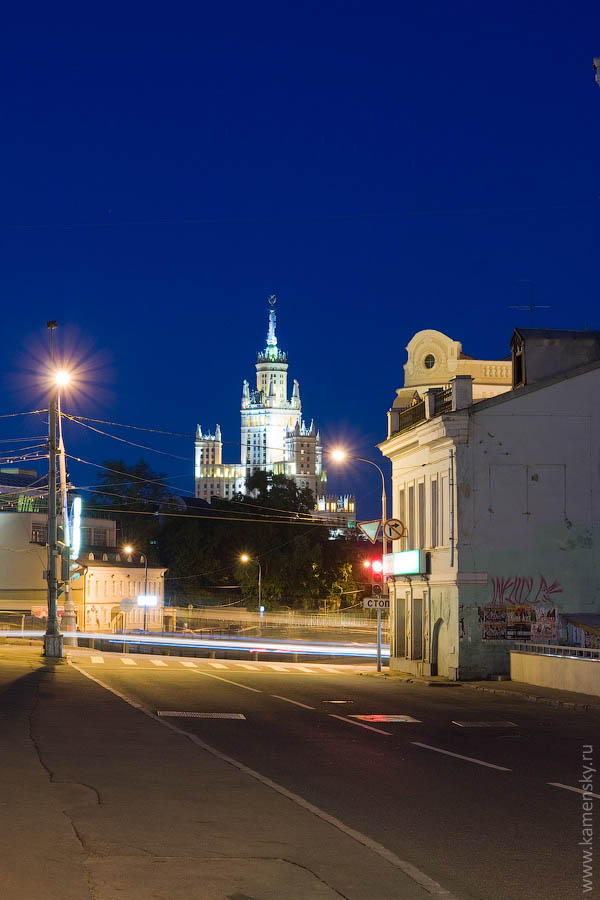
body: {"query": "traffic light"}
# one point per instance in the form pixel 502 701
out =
pixel 377 577
pixel 375 566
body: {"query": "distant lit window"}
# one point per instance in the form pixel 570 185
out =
pixel 39 533
pixel 429 361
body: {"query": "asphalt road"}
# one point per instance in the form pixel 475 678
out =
pixel 472 807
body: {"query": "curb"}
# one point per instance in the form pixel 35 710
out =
pixel 531 698
pixel 535 698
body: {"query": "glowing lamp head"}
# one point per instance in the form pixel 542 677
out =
pixel 367 563
pixel 377 565
pixel 244 558
pixel 127 548
pixel 338 455
pixel 62 378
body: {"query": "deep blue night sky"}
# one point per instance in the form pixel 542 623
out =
pixel 381 167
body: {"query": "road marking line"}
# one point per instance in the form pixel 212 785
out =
pixel 235 683
pixel 303 669
pixel 217 665
pixel 480 762
pixel 295 702
pixel 431 886
pixel 249 666
pixel 360 724
pixel 128 662
pixel 158 662
pixel 380 717
pixel 97 659
pixel 188 663
pixel 568 787
pixel 277 668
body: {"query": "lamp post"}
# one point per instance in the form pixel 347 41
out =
pixel 53 639
pixel 71 536
pixel 340 455
pixel 246 559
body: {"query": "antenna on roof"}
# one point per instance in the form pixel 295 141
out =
pixel 531 306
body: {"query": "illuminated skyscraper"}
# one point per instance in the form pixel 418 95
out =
pixel 273 437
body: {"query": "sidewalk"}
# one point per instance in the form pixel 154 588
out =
pixel 531 692
pixel 99 802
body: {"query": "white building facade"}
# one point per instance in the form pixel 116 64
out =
pixel 274 437
pixel 105 574
pixel 501 501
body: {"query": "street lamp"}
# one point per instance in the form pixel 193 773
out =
pixel 53 639
pixel 246 559
pixel 339 455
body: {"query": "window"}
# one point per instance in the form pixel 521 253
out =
pixel 411 542
pixel 429 361
pixel 402 514
pixel 39 533
pixel 100 538
pixel 434 512
pixel 443 508
pixel 421 514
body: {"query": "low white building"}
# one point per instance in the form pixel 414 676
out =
pixel 105 575
pixel 501 501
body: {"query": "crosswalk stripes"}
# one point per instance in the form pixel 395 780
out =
pixel 232 665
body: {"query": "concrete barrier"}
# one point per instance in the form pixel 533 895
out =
pixel 561 672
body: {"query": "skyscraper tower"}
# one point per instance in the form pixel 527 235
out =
pixel 266 412
pixel 273 436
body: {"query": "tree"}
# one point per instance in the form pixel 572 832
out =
pixel 134 495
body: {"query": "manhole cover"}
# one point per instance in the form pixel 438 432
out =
pixel 198 715
pixel 500 724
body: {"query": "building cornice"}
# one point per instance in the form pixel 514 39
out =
pixel 452 427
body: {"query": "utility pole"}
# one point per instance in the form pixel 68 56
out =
pixel 53 642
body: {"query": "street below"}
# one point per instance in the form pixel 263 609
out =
pixel 477 791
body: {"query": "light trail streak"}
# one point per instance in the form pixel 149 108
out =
pixel 248 644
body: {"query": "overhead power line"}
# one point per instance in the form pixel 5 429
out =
pixel 306 219
pixel 72 416
pixel 124 441
pixel 31 412
pixel 265 521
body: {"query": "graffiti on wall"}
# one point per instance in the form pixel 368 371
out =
pixel 523 589
pixel 522 609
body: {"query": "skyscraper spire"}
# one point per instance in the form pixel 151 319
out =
pixel 271 339
pixel 272 353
